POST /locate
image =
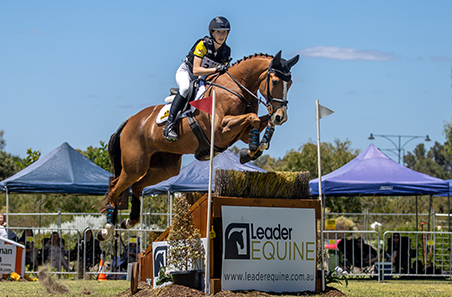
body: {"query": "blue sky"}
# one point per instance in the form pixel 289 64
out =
pixel 74 70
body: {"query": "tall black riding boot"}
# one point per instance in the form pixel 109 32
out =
pixel 170 130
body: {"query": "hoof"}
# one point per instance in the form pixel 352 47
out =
pixel 125 224
pixel 104 234
pixel 257 155
pixel 244 156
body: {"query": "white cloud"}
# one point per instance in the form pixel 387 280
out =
pixel 331 52
pixel 440 59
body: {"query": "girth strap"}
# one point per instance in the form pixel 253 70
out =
pixel 203 151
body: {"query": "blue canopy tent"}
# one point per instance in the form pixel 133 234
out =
pixel 64 170
pixel 373 173
pixel 195 176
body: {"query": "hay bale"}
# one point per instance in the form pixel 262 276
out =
pixel 251 184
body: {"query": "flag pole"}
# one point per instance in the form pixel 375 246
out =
pixel 209 200
pixel 321 112
pixel 322 225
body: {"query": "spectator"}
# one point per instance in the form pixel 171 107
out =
pixel 31 252
pixel 89 252
pixel 368 254
pixel 2 220
pixel 131 252
pixel 3 232
pixel 398 249
pixel 357 253
pixel 56 252
pixel 9 234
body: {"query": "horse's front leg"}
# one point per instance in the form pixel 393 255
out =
pixel 248 127
pixel 240 125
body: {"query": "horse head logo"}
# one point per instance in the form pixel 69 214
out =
pixel 237 241
pixel 159 259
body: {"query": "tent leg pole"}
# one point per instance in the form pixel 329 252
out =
pixel 417 219
pixel 448 212
pixel 7 206
pixel 429 212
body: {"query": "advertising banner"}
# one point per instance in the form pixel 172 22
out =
pixel 7 258
pixel 269 249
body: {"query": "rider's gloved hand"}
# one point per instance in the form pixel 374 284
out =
pixel 221 68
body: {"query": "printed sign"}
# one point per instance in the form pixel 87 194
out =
pixel 268 249
pixel 7 258
pixel 330 224
pixel 160 253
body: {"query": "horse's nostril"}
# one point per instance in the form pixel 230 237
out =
pixel 278 118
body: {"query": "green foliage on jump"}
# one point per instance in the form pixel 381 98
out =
pixel 184 240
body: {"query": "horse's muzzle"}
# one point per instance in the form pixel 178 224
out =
pixel 279 117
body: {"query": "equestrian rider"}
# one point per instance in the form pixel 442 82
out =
pixel 209 55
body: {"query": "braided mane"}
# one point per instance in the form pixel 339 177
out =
pixel 250 57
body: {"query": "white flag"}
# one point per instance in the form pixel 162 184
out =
pixel 324 111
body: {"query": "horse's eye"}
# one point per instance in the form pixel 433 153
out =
pixel 274 82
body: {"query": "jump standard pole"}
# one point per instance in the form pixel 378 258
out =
pixel 209 200
pixel 321 112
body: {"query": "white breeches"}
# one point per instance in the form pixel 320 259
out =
pixel 184 77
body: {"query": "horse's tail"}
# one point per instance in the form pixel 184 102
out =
pixel 114 149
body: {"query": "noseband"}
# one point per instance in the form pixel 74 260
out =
pixel 285 77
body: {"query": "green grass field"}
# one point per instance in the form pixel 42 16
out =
pixel 363 288
pixel 96 288
pixel 395 288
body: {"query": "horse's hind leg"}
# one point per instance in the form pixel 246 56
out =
pixel 134 213
pixel 135 167
pixel 118 186
pixel 162 167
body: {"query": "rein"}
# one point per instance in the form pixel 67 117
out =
pixel 256 98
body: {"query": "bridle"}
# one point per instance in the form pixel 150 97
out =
pixel 269 99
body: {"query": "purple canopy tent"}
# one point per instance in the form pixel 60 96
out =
pixel 374 173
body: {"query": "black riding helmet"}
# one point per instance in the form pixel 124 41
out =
pixel 219 24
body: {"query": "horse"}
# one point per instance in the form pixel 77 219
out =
pixel 141 157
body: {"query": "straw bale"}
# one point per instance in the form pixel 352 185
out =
pixel 251 184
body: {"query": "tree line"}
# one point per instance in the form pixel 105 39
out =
pixel 436 162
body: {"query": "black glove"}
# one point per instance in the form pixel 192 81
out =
pixel 221 68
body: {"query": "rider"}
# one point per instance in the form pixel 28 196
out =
pixel 209 55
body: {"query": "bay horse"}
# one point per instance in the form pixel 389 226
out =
pixel 141 157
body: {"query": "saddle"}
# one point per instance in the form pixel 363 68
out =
pixel 196 91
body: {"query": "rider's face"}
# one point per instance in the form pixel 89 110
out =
pixel 220 36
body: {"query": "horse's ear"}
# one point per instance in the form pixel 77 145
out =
pixel 293 61
pixel 276 62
